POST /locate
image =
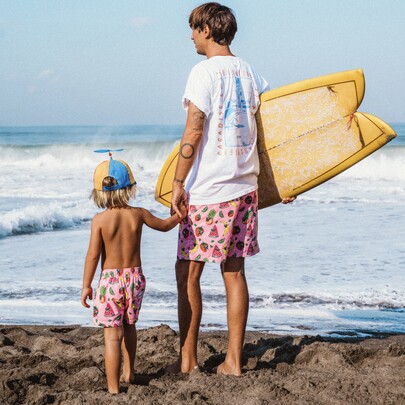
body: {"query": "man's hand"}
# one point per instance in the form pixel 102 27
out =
pixel 179 201
pixel 288 200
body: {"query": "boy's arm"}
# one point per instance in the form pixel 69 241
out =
pixel 163 225
pixel 92 258
pixel 190 142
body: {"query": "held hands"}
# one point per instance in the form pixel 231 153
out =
pixel 179 202
pixel 87 292
pixel 183 211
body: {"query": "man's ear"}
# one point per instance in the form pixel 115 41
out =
pixel 207 32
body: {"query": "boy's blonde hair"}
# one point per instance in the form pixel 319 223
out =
pixel 114 198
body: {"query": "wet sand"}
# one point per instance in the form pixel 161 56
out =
pixel 65 365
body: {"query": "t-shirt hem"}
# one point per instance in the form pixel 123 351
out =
pixel 220 199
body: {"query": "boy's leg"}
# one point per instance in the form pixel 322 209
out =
pixel 112 354
pixel 237 301
pixel 128 353
pixel 188 274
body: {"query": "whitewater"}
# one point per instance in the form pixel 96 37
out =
pixel 330 263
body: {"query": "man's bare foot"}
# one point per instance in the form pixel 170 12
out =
pixel 174 368
pixel 224 369
pixel 177 368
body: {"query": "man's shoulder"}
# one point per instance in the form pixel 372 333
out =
pixel 209 67
pixel 201 72
pixel 217 63
pixel 201 66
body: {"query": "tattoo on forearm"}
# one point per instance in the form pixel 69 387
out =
pixel 187 151
pixel 198 121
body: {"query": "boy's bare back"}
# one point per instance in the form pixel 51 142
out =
pixel 116 234
pixel 120 230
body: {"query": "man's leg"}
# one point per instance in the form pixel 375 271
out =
pixel 188 274
pixel 237 301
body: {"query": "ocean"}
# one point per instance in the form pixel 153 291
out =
pixel 332 263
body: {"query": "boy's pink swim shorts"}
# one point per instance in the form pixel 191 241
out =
pixel 213 232
pixel 118 297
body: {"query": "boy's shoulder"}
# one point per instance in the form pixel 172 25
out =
pixel 108 213
pixel 140 212
pixel 115 213
pixel 136 211
pixel 99 217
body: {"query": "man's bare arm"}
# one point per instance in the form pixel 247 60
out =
pixel 190 143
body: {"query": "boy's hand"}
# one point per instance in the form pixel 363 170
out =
pixel 87 292
pixel 183 211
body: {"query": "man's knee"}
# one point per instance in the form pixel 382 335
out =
pixel 233 265
pixel 188 271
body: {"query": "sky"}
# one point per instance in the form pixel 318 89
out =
pixel 126 62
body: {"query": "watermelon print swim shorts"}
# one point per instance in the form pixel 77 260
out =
pixel 118 297
pixel 211 233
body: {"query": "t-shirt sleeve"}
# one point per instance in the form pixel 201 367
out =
pixel 198 90
pixel 262 85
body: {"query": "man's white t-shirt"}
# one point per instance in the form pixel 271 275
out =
pixel 227 90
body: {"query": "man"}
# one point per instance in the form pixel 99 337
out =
pixel 218 157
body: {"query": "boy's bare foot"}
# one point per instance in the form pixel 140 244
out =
pixel 130 378
pixel 224 369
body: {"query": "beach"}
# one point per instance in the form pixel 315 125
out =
pixel 326 320
pixel 64 365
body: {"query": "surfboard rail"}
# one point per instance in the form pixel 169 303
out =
pixel 163 190
pixel 355 76
pixel 385 135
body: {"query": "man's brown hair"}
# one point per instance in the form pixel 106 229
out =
pixel 220 20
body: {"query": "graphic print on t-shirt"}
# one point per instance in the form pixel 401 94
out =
pixel 234 134
pixel 236 111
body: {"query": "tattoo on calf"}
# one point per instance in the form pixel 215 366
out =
pixel 187 150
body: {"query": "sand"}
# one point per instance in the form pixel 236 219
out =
pixel 65 365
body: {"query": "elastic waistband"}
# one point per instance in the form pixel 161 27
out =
pixel 125 269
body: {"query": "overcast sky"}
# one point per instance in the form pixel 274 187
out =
pixel 123 62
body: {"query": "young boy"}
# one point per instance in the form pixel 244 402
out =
pixel 116 236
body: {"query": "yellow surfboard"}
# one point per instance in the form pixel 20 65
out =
pixel 308 132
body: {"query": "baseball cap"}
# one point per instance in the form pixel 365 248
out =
pixel 117 169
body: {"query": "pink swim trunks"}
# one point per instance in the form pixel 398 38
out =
pixel 118 297
pixel 213 232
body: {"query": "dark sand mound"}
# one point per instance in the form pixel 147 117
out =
pixel 65 365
